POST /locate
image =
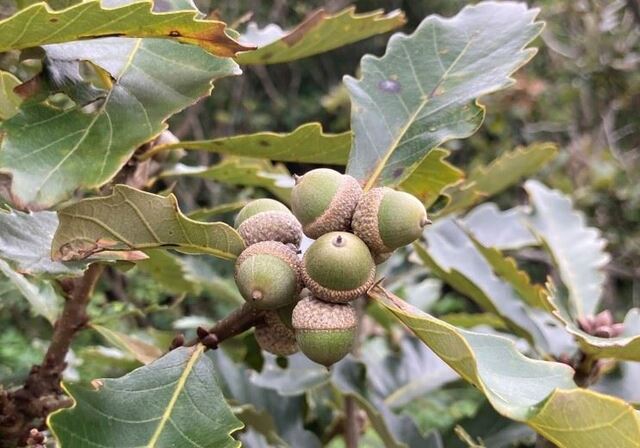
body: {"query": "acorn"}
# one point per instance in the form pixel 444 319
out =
pixel 338 267
pixel 275 336
pixel 324 200
pixel 386 219
pixel 268 220
pixel 325 332
pixel 268 275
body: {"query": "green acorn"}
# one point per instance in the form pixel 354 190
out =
pixel 276 335
pixel 324 200
pixel 338 267
pixel 268 275
pixel 386 219
pixel 325 332
pixel 268 220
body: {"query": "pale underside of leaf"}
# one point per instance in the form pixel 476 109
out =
pixel 39 25
pixel 9 100
pixel 539 393
pixel 422 92
pixel 320 32
pixel 50 152
pixel 130 219
pixel 578 250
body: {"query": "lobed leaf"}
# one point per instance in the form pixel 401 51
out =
pixel 319 33
pixel 421 92
pixel 432 177
pixel 50 152
pixel 452 256
pixel 577 250
pixel 131 219
pixel 38 25
pixel 307 143
pixel 541 394
pixel 506 170
pixel 174 401
pixel 494 228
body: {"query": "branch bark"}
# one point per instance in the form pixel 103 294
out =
pixel 239 321
pixel 25 408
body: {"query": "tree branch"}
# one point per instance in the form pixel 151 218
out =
pixel 239 321
pixel 23 409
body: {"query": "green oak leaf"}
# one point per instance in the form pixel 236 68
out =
pixel 174 401
pixel 422 92
pixel 319 33
pixel 51 152
pixel 202 214
pixel 541 394
pixel 307 143
pixel 300 375
pixel 131 219
pixel 9 100
pixel 432 177
pixel 38 25
pixel 242 172
pixel 578 250
pixel 506 170
pixel 452 256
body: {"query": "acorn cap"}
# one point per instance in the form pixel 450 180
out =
pixel 275 336
pixel 324 200
pixel 338 267
pixel 271 226
pixel 268 275
pixel 386 219
pixel 325 331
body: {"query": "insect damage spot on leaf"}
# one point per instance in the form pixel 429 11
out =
pixel 389 85
pixel 397 172
pixel 174 34
pixel 263 143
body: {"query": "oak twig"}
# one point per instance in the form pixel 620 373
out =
pixel 25 408
pixel 239 321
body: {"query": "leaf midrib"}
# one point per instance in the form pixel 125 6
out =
pixel 166 416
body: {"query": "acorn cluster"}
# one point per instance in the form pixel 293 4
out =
pixel 307 299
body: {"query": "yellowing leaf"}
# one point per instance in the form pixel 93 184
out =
pixel 142 351
pixel 9 100
pixel 130 219
pixel 39 25
pixel 319 33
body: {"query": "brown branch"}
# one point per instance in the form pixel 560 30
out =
pixel 25 408
pixel 239 321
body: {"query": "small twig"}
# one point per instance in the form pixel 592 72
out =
pixel 239 321
pixel 352 425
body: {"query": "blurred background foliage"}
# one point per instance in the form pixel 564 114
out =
pixel 581 91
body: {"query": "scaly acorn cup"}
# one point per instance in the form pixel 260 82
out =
pixel 268 275
pixel 325 331
pixel 338 267
pixel 268 220
pixel 386 219
pixel 275 336
pixel 324 200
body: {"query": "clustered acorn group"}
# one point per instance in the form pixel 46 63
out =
pixel 306 300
